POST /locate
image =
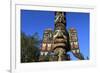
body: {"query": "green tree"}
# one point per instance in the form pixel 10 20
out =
pixel 30 47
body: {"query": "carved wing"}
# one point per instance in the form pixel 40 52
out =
pixel 74 45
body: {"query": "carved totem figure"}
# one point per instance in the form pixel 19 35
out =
pixel 74 45
pixel 56 44
pixel 60 36
pixel 46 46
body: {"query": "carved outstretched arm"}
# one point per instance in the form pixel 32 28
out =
pixel 74 44
pixel 77 54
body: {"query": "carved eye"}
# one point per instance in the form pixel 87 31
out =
pixel 73 51
pixel 49 45
pixel 78 50
pixel 76 43
pixel 71 43
pixel 43 45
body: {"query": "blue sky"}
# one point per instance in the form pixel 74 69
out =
pixel 36 21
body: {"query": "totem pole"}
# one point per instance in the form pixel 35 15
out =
pixel 65 41
pixel 74 45
pixel 60 37
pixel 58 42
pixel 46 45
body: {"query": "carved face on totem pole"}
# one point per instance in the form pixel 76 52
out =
pixel 60 35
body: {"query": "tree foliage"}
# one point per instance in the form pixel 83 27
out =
pixel 30 47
